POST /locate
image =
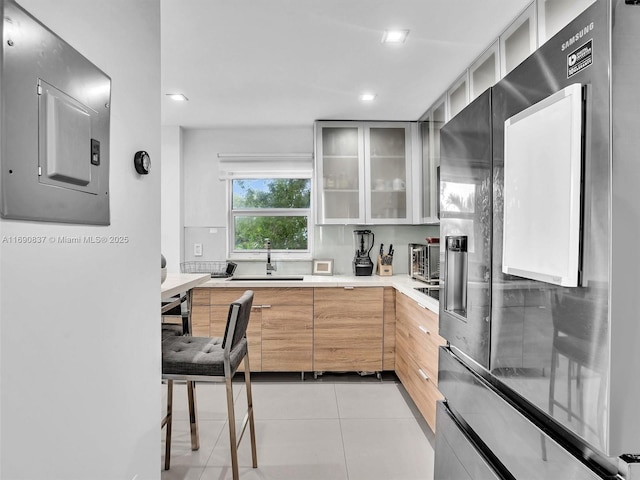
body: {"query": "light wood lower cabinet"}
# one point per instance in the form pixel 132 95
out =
pixel 348 329
pixel 287 330
pixel 302 329
pixel 417 343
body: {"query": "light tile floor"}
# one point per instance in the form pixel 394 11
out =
pixel 338 427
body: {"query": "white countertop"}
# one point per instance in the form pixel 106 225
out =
pixel 177 283
pixel 401 282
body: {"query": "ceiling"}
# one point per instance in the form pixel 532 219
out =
pixel 290 62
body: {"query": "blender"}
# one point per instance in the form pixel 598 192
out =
pixel 363 243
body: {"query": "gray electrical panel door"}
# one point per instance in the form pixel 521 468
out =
pixel 54 135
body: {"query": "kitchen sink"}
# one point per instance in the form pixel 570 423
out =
pixel 273 278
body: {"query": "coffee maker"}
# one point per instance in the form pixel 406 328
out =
pixel 363 243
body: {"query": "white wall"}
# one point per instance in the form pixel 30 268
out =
pixel 172 197
pixel 79 337
pixel 205 199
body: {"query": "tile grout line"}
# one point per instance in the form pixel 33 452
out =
pixel 344 451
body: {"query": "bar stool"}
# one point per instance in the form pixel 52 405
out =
pixel 206 359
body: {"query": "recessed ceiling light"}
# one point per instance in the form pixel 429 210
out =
pixel 394 36
pixel 178 97
pixel 368 97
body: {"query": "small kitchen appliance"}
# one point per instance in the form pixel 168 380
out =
pixel 424 262
pixel 363 243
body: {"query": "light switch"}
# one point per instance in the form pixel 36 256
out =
pixel 197 249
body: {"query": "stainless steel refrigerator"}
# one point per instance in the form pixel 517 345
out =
pixel 540 294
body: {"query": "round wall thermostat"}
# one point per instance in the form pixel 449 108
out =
pixel 142 162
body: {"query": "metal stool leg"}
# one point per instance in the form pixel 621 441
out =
pixel 168 421
pixel 252 428
pixel 193 415
pixel 232 429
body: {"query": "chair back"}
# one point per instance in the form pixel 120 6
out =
pixel 237 321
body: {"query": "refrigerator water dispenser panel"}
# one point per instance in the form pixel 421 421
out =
pixel 455 294
pixel 54 137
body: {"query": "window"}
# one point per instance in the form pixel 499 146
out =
pixel 275 208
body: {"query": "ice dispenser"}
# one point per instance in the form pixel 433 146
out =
pixel 455 288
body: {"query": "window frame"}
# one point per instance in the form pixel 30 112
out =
pixel 260 254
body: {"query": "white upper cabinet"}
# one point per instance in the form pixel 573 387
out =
pixel 485 71
pixel 554 15
pixel 518 41
pixel 363 173
pixel 458 96
pixel 340 172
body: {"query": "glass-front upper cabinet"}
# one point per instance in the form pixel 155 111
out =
pixel 362 172
pixel 518 41
pixel 340 173
pixel 484 72
pixel 554 15
pixel 388 151
pixel 458 96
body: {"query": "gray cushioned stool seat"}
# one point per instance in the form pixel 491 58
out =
pixel 171 330
pixel 203 356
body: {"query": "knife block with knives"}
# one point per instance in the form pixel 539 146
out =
pixel 385 262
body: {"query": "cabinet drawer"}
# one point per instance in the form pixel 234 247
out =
pixel 411 311
pixel 421 389
pixel 413 339
pixel 225 296
pixel 286 296
pixel 264 296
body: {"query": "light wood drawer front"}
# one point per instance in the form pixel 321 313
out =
pixel 422 390
pixel 410 310
pixel 287 338
pixel 225 296
pixel 200 296
pixel 337 298
pixel 418 342
pixel 287 296
pixel 264 296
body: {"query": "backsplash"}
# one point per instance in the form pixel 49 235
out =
pixel 330 242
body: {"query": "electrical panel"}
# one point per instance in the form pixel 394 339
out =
pixel 54 135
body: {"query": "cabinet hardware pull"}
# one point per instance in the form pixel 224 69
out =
pixel 266 306
pixel 423 375
pixel 424 330
pixel 349 288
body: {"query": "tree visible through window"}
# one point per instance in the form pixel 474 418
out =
pixel 273 208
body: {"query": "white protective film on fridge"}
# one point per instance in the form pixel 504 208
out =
pixel 542 168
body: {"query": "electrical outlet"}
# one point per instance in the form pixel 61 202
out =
pixel 197 249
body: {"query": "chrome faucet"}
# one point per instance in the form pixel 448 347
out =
pixel 270 268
